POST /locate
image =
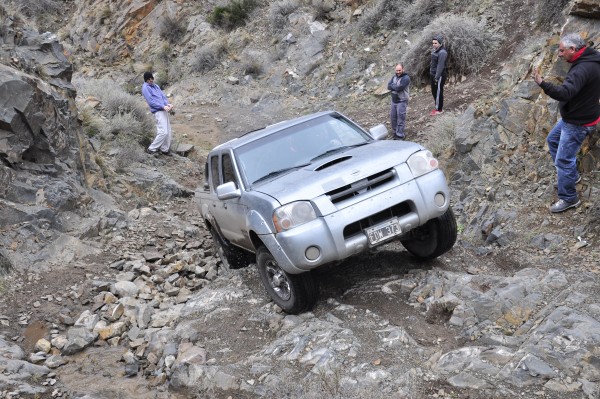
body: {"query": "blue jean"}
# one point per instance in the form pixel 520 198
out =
pixel 398 117
pixel 564 142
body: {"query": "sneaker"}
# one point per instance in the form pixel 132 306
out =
pixel 577 182
pixel 167 153
pixel 151 152
pixel 398 137
pixel 562 205
pixel 436 112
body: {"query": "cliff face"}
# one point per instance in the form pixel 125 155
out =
pixel 46 165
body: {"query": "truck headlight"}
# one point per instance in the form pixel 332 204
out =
pixel 292 215
pixel 422 162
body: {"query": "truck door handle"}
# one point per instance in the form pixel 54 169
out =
pixel 225 206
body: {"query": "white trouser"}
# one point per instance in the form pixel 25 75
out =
pixel 162 141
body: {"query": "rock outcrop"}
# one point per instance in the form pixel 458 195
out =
pixel 45 161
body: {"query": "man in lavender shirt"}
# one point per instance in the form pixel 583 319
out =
pixel 160 108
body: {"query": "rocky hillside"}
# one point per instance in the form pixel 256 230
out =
pixel 109 282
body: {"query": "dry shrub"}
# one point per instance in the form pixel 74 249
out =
pixel 252 66
pixel 278 52
pixel 92 124
pixel 385 14
pixel 166 66
pixel 469 44
pixel 322 8
pixel 47 14
pixel 38 8
pixel 6 266
pixel 124 115
pixel 441 135
pixel 279 11
pixel 172 29
pixel 400 14
pixel 208 57
pixel 129 152
pixel 421 12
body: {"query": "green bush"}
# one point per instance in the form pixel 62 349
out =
pixel 172 29
pixel 469 45
pixel 232 15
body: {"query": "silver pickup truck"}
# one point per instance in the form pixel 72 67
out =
pixel 318 189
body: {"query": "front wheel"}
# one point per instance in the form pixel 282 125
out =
pixel 434 238
pixel 294 293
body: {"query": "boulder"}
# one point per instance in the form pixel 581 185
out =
pixel 585 8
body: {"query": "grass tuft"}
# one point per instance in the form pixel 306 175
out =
pixel 232 15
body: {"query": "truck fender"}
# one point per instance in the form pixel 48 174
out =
pixel 255 221
pixel 263 229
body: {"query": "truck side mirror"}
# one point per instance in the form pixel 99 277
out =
pixel 378 132
pixel 228 191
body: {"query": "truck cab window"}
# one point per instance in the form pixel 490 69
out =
pixel 214 171
pixel 228 171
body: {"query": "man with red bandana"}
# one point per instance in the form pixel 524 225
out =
pixel 579 106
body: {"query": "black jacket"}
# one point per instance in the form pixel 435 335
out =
pixel 579 94
pixel 438 68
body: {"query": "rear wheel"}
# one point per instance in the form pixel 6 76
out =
pixel 434 238
pixel 231 256
pixel 294 293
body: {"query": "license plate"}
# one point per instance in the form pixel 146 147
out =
pixel 383 231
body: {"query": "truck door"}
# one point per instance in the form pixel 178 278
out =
pixel 231 214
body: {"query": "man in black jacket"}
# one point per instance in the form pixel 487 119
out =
pixel 438 72
pixel 399 88
pixel 579 106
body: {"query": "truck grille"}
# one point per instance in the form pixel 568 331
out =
pixel 361 186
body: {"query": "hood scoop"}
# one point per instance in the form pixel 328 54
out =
pixel 332 162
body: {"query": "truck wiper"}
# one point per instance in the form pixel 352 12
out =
pixel 280 171
pixel 338 149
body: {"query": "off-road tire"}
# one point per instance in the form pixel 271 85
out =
pixel 434 238
pixel 231 256
pixel 294 293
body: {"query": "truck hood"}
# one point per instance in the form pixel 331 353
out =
pixel 338 170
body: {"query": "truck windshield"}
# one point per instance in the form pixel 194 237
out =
pixel 297 146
